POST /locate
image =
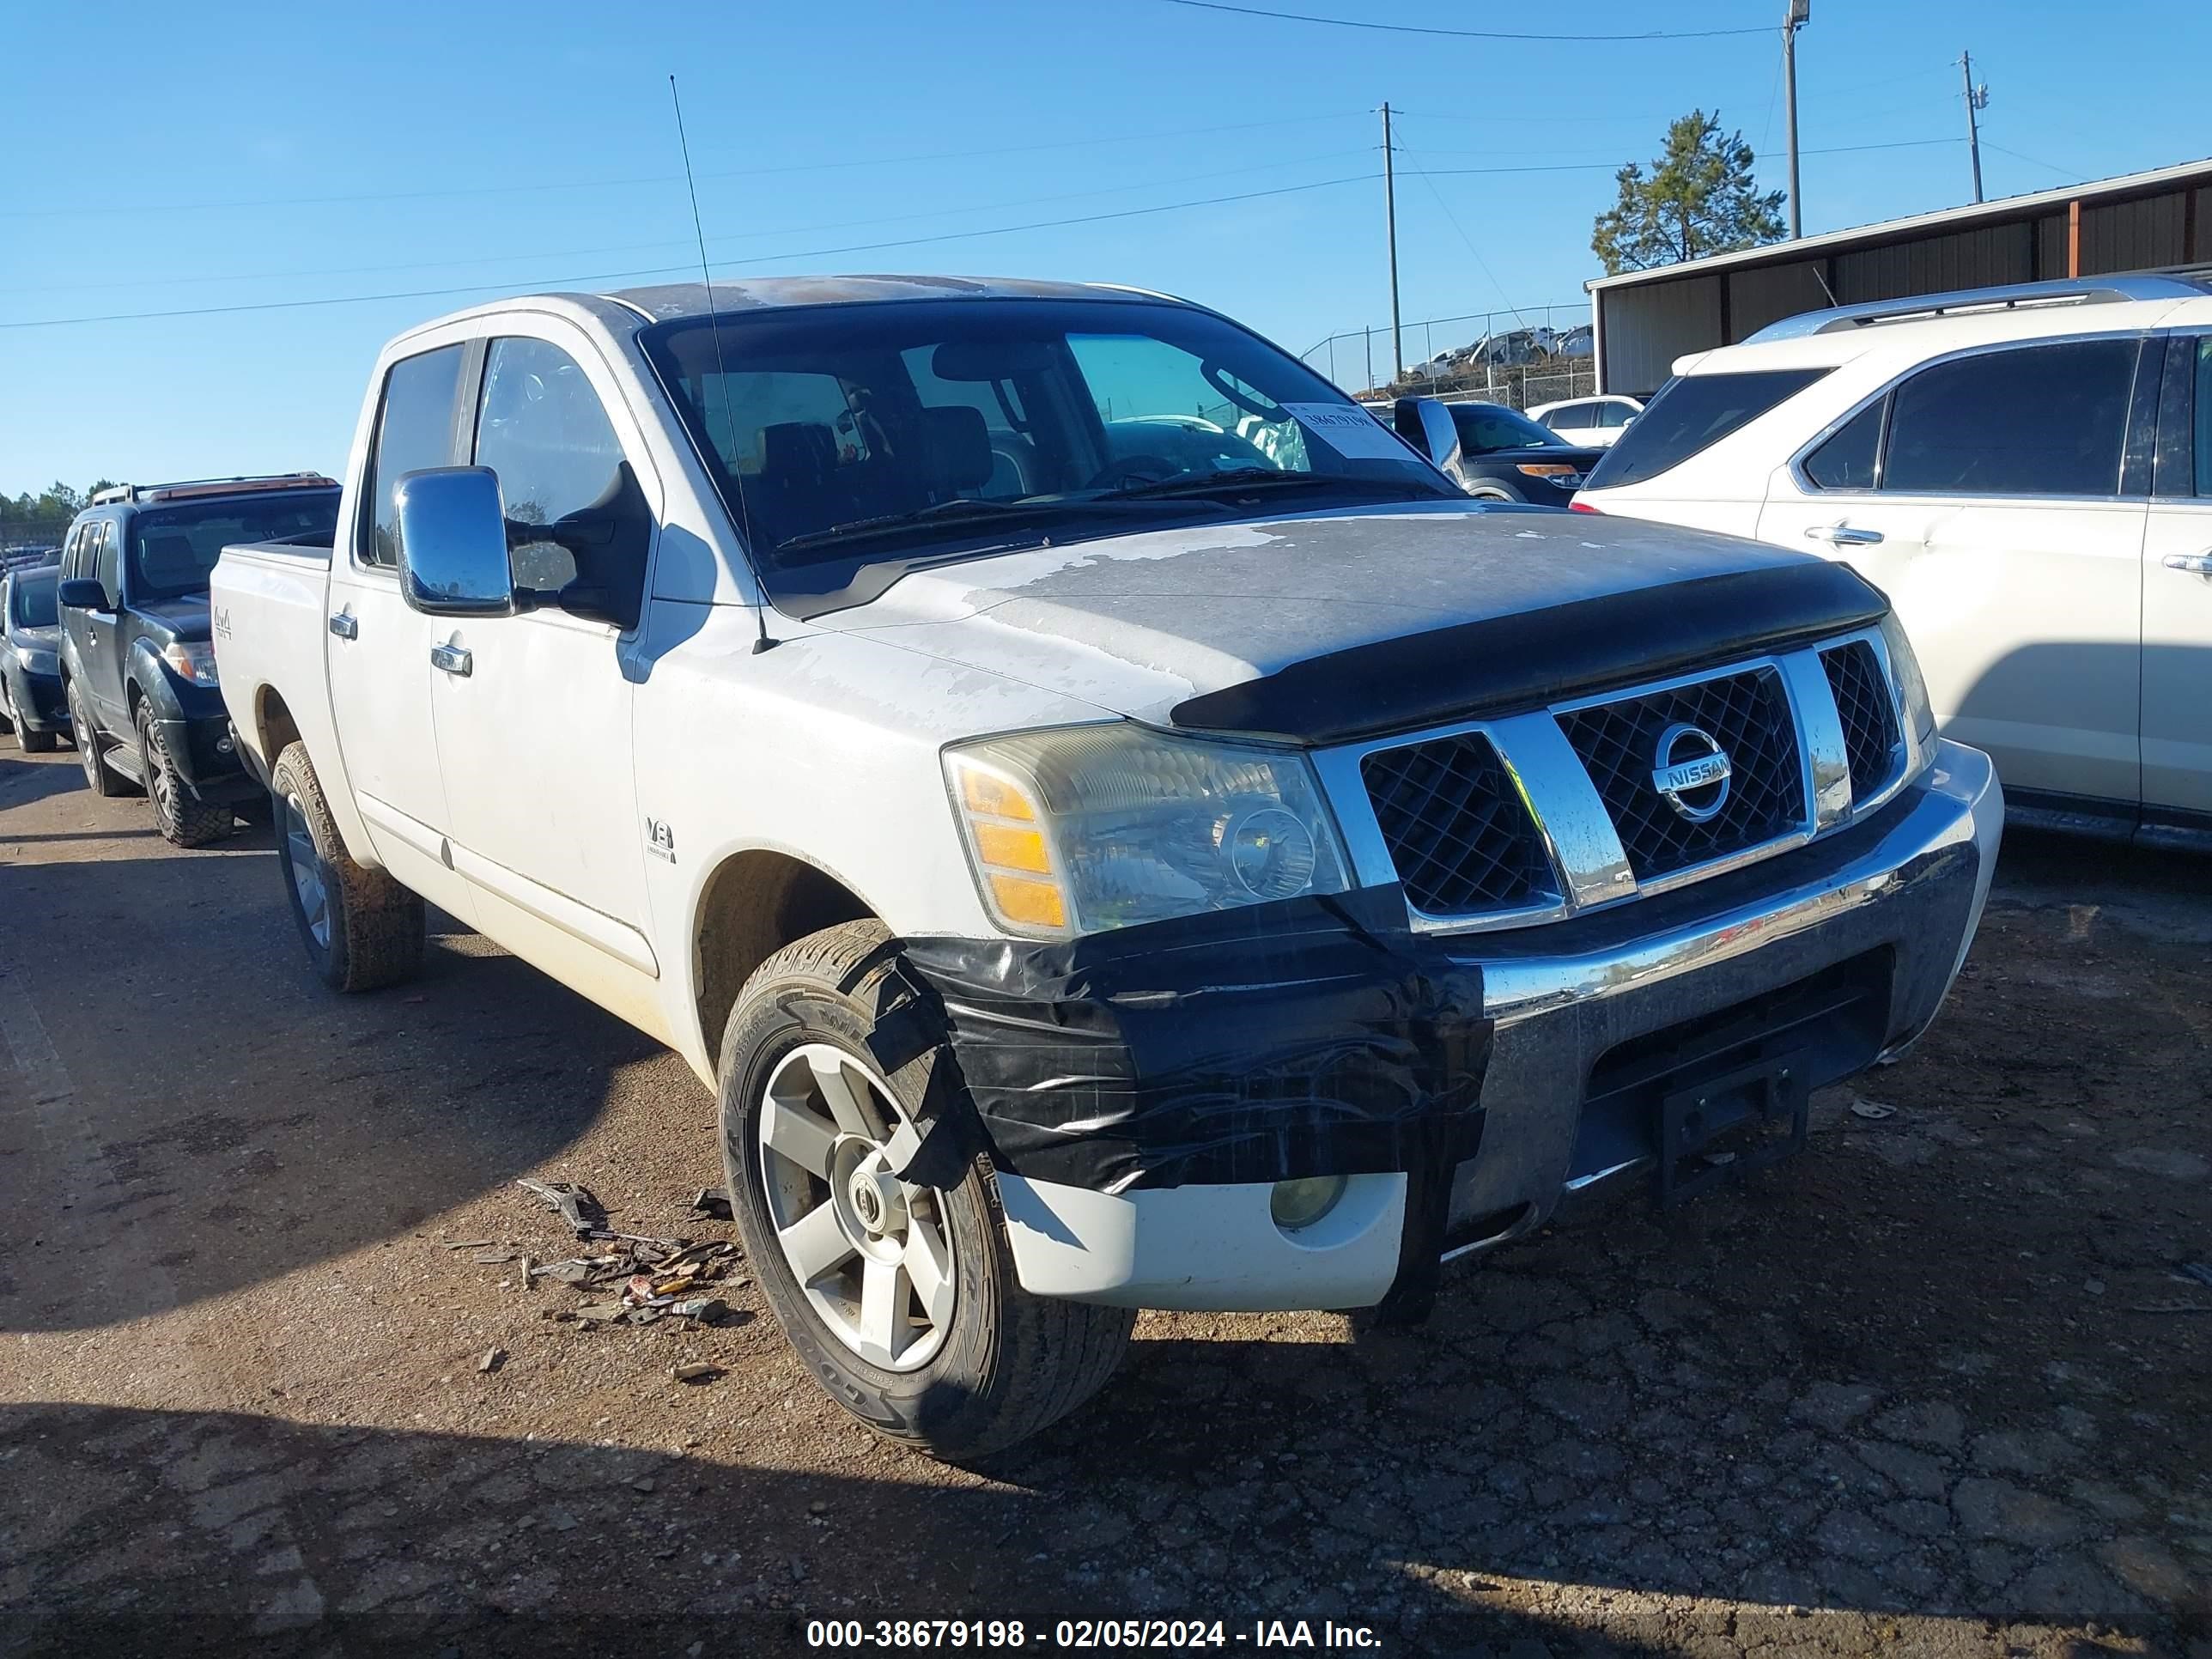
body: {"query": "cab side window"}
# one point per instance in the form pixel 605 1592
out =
pixel 2203 422
pixel 1847 460
pixel 413 431
pixel 577 524
pixel 2046 420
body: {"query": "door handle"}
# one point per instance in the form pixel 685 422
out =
pixel 2198 564
pixel 1843 535
pixel 453 658
pixel 344 625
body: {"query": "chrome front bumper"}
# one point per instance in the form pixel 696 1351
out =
pixel 1913 879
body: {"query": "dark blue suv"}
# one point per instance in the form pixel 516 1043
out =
pixel 138 651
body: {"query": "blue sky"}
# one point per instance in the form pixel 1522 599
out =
pixel 160 157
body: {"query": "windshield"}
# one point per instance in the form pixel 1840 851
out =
pixel 172 548
pixel 1485 428
pixel 31 598
pixel 861 436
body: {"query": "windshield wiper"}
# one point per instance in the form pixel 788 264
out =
pixel 958 512
pixel 1238 479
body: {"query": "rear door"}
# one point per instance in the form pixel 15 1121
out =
pixel 1982 494
pixel 2176 602
pixel 379 648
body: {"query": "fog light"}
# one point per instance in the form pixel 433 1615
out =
pixel 222 745
pixel 1297 1204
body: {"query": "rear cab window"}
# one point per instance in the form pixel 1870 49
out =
pixel 1690 415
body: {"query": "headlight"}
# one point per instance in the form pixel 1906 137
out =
pixel 192 659
pixel 1091 827
pixel 38 662
pixel 1911 688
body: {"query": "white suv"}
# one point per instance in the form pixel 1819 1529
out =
pixel 1595 422
pixel 2028 473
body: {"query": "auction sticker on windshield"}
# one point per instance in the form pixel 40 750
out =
pixel 1351 431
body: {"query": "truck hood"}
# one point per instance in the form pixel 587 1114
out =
pixel 1147 624
pixel 183 618
pixel 37 639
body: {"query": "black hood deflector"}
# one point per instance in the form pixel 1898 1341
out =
pixel 1501 665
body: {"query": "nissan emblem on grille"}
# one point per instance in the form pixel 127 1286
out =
pixel 1685 761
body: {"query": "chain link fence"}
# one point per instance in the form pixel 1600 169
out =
pixel 1535 354
pixel 19 536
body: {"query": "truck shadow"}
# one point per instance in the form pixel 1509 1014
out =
pixel 222 1119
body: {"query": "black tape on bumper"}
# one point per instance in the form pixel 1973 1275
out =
pixel 1309 1037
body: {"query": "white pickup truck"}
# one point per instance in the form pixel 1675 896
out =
pixel 1114 825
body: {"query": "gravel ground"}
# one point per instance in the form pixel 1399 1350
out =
pixel 1935 1387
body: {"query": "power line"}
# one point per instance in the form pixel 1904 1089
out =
pixel 1573 38
pixel 1463 236
pixel 634 247
pixel 602 278
pixel 2064 173
pixel 1614 167
pixel 886 159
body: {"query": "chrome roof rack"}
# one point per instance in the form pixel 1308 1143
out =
pixel 2185 283
pixel 184 487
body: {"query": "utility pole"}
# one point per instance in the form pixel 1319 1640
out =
pixel 1800 13
pixel 1390 220
pixel 1977 98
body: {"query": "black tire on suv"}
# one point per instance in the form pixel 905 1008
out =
pixel 361 928
pixel 30 742
pixel 183 818
pixel 984 1363
pixel 99 777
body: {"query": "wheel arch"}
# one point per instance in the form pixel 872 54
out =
pixel 273 727
pixel 752 904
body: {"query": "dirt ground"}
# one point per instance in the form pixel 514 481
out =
pixel 1938 1386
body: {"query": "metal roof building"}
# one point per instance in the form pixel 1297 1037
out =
pixel 1644 319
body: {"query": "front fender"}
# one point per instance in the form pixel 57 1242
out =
pixel 149 679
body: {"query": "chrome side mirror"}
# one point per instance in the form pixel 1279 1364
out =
pixel 1427 425
pixel 453 543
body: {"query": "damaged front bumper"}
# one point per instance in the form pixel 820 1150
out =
pixel 1137 1152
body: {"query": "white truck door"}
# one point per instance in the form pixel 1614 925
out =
pixel 1982 495
pixel 534 716
pixel 379 649
pixel 2177 601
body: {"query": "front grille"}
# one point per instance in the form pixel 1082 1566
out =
pixel 1869 718
pixel 1747 714
pixel 1457 832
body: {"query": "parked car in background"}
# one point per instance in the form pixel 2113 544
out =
pixel 137 653
pixel 1595 422
pixel 30 698
pixel 2027 473
pixel 1501 455
pixel 1091 879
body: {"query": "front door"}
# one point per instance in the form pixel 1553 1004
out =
pixel 2177 605
pixel 1982 495
pixel 379 648
pixel 99 647
pixel 533 710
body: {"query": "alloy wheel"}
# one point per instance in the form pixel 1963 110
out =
pixel 870 1252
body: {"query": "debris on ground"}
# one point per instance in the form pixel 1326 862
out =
pixel 2199 1271
pixel 713 1201
pixel 491 1359
pixel 635 1278
pixel 584 1213
pixel 1871 1109
pixel 468 1244
pixel 696 1370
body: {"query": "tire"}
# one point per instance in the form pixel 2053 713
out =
pixel 363 929
pixel 1003 1365
pixel 99 777
pixel 30 742
pixel 183 818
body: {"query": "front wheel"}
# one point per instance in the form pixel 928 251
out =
pixel 361 928
pixel 183 818
pixel 901 1300
pixel 98 776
